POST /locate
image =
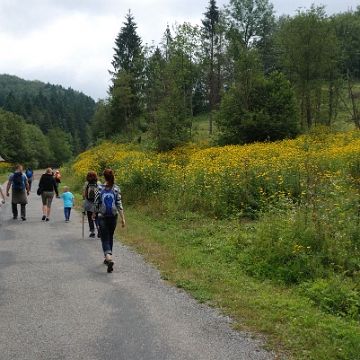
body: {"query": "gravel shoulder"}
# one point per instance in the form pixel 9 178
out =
pixel 58 302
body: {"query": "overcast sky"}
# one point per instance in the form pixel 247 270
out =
pixel 70 42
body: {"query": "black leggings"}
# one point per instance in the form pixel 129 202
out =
pixel 91 222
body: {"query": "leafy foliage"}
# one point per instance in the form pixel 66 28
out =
pixel 249 22
pixel 309 49
pixel 23 143
pixel 210 28
pixel 232 58
pixel 269 113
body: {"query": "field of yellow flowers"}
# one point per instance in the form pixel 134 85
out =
pixel 289 210
pixel 301 197
pixel 5 167
pixel 242 180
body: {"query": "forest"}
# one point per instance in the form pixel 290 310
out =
pixel 42 123
pixel 258 77
pixel 254 76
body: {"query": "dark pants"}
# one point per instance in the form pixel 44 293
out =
pixel 15 210
pixel 91 221
pixel 107 229
pixel 67 211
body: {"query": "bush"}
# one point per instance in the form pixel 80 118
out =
pixel 337 296
pixel 268 112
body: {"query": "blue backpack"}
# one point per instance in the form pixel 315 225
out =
pixel 18 181
pixel 107 202
pixel 29 173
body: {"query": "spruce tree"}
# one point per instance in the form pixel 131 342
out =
pixel 125 91
pixel 128 48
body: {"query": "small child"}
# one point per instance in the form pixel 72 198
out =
pixel 69 202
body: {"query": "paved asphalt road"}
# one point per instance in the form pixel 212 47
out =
pixel 58 302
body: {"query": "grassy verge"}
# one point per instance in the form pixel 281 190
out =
pixel 3 178
pixel 194 253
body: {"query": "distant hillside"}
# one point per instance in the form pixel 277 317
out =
pixel 19 87
pixel 49 107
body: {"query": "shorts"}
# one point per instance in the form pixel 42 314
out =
pixel 47 197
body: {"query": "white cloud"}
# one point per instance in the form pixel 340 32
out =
pixel 77 46
pixel 70 42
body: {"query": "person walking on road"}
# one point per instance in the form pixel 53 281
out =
pixel 69 202
pixel 48 185
pixel 89 189
pixel 19 191
pixel 2 196
pixel 107 206
pixel 57 178
pixel 30 176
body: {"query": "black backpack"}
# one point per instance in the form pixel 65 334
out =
pixel 18 181
pixel 90 190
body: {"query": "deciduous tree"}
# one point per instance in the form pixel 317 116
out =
pixel 308 46
pixel 250 22
pixel 210 30
pixel 264 111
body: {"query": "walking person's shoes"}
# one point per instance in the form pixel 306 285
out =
pixel 23 218
pixel 47 219
pixel 110 265
pixel 43 218
pixel 14 217
pixel 92 235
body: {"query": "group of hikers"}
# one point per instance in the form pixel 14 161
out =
pixel 102 202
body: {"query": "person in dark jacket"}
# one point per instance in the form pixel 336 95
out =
pixel 48 185
pixel 30 176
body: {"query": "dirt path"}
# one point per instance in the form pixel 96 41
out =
pixel 58 302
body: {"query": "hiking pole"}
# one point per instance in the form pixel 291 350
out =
pixel 83 216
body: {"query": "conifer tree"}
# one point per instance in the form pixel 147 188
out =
pixel 125 91
pixel 128 50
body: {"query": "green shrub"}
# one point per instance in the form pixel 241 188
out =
pixel 337 295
